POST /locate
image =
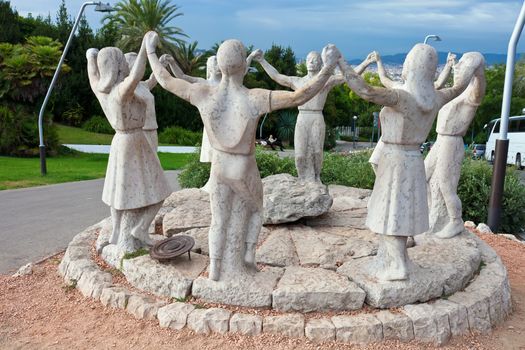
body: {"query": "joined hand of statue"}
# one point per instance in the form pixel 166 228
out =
pixel 330 55
pixel 374 56
pixel 91 53
pixel 152 40
pixel 451 58
pixel 257 55
pixel 166 59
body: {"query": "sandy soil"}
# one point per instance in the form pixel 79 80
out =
pixel 39 312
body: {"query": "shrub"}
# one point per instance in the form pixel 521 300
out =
pixel 73 116
pixel 98 124
pixel 19 133
pixel 348 170
pixel 195 174
pixel 330 138
pixel 354 170
pixel 179 136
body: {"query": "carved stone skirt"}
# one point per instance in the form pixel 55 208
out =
pixel 134 176
pixel 398 205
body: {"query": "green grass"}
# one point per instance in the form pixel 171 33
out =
pixel 25 172
pixel 78 136
pixel 71 135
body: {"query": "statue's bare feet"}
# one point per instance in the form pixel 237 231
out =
pixel 392 259
pixel 453 228
pixel 128 244
pixel 215 269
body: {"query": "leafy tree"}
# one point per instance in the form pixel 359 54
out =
pixel 26 69
pixel 10 32
pixel 134 18
pixel 64 23
pixel 190 60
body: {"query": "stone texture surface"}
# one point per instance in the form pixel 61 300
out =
pixel 396 326
pixel 91 283
pixel 112 255
pixel 246 324
pixel 457 316
pixel 251 291
pixel 191 209
pixel 287 199
pixel 330 247
pixel 278 249
pixel 174 315
pixel 429 325
pixel 115 296
pixel 477 310
pixel 171 279
pixel 363 328
pixel 143 307
pixel 320 330
pixel 483 228
pixel 438 267
pixel 200 235
pixel 206 321
pixel 25 270
pixel 314 289
pixel 291 325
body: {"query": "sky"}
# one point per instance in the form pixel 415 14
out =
pixel 355 27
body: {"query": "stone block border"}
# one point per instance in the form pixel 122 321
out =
pixel 483 304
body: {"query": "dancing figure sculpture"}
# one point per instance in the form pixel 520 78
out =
pixel 150 123
pixel 398 205
pixel 230 113
pixel 389 83
pixel 135 186
pixel 213 77
pixel 309 131
pixel 443 163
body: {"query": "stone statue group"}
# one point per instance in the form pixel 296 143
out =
pixel 135 186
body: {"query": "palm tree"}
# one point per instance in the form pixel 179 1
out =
pixel 134 18
pixel 190 60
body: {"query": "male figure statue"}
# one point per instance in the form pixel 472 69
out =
pixel 213 77
pixel 443 163
pixel 310 127
pixel 398 206
pixel 230 113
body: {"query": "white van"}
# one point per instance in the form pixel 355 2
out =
pixel 516 136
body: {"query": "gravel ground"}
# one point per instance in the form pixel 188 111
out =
pixel 39 312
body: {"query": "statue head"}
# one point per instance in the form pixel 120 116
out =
pixel 131 57
pixel 420 64
pixel 212 68
pixel 112 67
pixel 314 62
pixel 231 57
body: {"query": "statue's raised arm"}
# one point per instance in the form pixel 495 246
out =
pixel 179 87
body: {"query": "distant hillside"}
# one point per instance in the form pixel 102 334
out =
pixel 399 58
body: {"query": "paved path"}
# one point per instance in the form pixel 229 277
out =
pixel 39 221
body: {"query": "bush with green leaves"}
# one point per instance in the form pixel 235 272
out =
pixel 474 192
pixel 180 136
pixel 99 125
pixel 19 132
pixel 351 170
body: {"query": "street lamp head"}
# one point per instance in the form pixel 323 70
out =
pixel 101 7
pixel 355 117
pixel 433 37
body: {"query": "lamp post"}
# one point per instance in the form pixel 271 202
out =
pixel 100 7
pixel 353 127
pixel 433 37
pixel 502 144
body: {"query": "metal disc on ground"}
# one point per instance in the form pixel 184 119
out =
pixel 172 247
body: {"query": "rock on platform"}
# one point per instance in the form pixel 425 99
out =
pixel 313 289
pixel 287 199
pixel 191 209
